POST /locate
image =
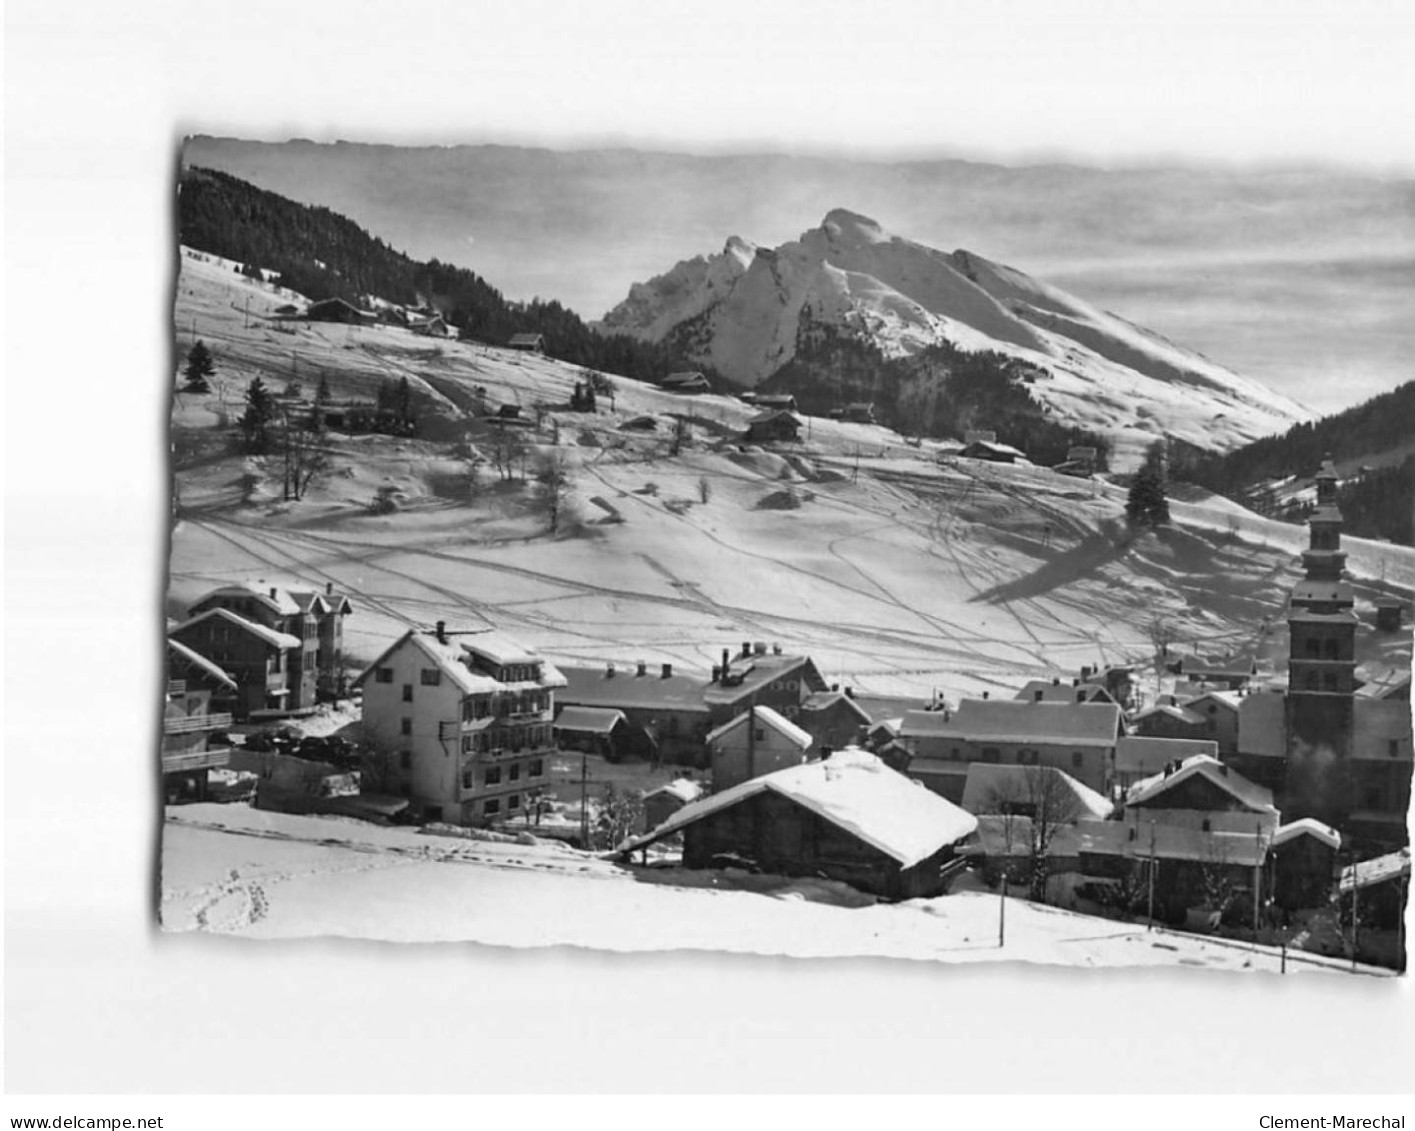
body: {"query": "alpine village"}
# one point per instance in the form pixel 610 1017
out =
pixel 1249 786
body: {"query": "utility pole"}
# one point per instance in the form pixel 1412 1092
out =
pixel 1257 880
pixel 1355 910
pixel 1150 910
pixel 584 800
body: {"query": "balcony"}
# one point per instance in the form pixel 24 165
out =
pixel 191 724
pixel 186 762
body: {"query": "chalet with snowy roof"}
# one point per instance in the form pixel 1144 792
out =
pixel 758 741
pixel 314 616
pixel 1138 756
pixel 602 731
pixel 188 723
pixel 532 343
pixel 338 310
pixel 1303 863
pixel 993 452
pixel 460 724
pixel 1381 885
pixel 773 425
pixel 1205 793
pixel 1079 738
pixel 686 383
pixel 774 402
pixel 1082 460
pixel 1219 712
pixel 663 802
pixel 848 817
pixel 833 719
pixel 257 658
pixel 434 327
pixel 1170 721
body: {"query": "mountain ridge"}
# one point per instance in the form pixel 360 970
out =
pixel 743 317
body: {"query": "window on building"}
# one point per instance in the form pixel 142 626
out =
pixel 469 779
pixel 535 768
pixel 383 675
pixel 514 801
pixel 406 726
pixel 1329 679
pixel 515 772
pixel 1331 650
pixel 407 693
pixel 1313 648
pixel 1077 759
pixel 1207 825
pixel 431 677
pixel 954 754
pixel 466 744
pixel 759 735
pixel 990 754
pixel 491 806
pixel 405 759
pixel 491 775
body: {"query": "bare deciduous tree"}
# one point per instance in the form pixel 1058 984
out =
pixel 1035 803
pixel 552 488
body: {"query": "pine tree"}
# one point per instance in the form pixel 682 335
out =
pixel 1147 504
pixel 255 421
pixel 199 368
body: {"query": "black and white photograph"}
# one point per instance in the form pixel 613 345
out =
pixel 931 494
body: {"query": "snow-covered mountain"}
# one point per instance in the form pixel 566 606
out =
pixel 742 312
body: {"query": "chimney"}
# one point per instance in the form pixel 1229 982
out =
pixel 329 588
pixel 759 648
pixel 849 693
pixel 835 687
pixel 776 649
pixel 1037 695
pixel 1056 681
pixel 746 647
pixel 726 662
pixel 442 632
pixel 716 673
pixel 667 671
pixel 608 671
pixel 985 694
pixel 1223 768
pixel 272 592
pixel 1075 683
pixel 641 668
pixel 1080 696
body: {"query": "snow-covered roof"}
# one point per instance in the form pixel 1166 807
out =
pixel 1307 826
pixel 1052 691
pixel 1377 870
pixel 856 792
pixel 589 720
pixel 684 789
pixel 783 726
pixel 271 596
pixel 198 660
pixel 1009 720
pixel 1250 796
pixel 988 785
pixel 824 700
pixel 1188 718
pixel 1229 700
pixel 1383 683
pixel 450 657
pixel 596 687
pixel 1137 754
pixel 270 636
pixel 756 672
pixel 496 647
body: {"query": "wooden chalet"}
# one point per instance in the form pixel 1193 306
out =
pixel 338 310
pixel 756 742
pixel 663 802
pixel 993 452
pixel 532 343
pixel 774 425
pixel 687 383
pixel 848 818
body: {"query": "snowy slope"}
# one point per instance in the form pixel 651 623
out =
pixel 741 312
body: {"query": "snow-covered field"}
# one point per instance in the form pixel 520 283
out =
pixel 897 572
pixel 233 870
